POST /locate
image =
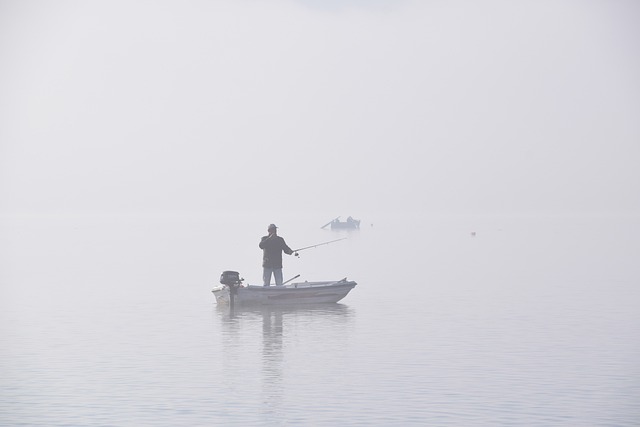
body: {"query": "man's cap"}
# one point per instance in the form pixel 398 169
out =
pixel 272 227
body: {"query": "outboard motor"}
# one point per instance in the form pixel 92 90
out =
pixel 233 281
pixel 230 278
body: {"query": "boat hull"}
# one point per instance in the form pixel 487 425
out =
pixel 292 294
pixel 353 225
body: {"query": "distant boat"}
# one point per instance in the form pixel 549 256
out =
pixel 288 294
pixel 349 224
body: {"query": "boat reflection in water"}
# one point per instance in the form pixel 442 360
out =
pixel 274 345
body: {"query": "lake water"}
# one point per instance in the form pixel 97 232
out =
pixel 110 321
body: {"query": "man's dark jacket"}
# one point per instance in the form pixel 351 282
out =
pixel 272 249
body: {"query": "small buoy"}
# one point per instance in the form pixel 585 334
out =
pixel 473 234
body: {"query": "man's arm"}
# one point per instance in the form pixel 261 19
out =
pixel 286 249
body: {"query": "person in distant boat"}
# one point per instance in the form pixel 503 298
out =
pixel 272 248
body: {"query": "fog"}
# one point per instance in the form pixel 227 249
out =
pixel 146 145
pixel 355 107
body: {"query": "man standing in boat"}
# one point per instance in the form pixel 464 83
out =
pixel 272 247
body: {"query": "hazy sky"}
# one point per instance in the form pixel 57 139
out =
pixel 349 107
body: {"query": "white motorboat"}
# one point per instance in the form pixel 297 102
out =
pixel 290 293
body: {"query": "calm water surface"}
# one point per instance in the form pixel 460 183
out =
pixel 109 321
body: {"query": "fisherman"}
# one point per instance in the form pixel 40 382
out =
pixel 272 247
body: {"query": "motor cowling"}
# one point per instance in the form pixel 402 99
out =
pixel 230 278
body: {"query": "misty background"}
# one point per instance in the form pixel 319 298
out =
pixel 491 150
pixel 354 107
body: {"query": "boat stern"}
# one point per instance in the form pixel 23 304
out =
pixel 221 293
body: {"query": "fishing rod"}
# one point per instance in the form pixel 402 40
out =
pixel 314 246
